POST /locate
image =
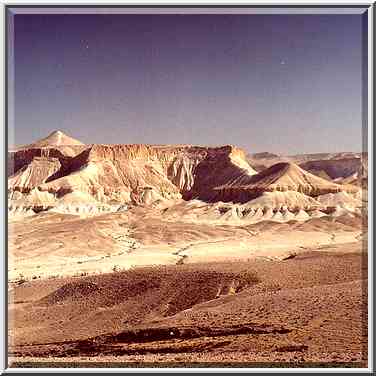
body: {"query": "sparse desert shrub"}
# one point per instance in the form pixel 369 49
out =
pixel 246 278
pixel 181 260
pixel 273 286
pixel 21 279
pixel 116 268
pixel 80 274
pixel 249 276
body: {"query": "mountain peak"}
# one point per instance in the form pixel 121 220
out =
pixel 56 138
pixel 282 176
pixel 57 133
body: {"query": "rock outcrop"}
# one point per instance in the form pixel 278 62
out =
pixel 343 168
pixel 56 138
pixel 124 172
pixel 62 174
pixel 280 177
pixel 334 168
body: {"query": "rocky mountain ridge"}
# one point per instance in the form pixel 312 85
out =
pixel 53 174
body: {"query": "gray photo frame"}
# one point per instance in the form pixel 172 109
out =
pixel 139 358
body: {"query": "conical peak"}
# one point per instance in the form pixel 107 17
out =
pixel 57 133
pixel 286 166
pixel 278 169
pixel 57 138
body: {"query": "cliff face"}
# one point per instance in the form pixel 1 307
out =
pixel 190 171
pixel 123 173
pixel 106 176
pixel 218 167
pixel 21 158
pixel 31 175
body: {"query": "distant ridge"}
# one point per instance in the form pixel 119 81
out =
pixel 281 177
pixel 59 172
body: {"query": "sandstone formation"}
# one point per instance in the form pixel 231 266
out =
pixel 56 138
pixel 279 177
pixel 343 168
pixel 61 174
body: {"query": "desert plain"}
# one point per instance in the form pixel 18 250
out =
pixel 185 255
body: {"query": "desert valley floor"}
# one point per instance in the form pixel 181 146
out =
pixel 182 255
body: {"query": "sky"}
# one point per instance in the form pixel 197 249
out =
pixel 279 83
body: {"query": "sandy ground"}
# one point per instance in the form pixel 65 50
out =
pixel 136 288
pixel 52 244
pixel 293 312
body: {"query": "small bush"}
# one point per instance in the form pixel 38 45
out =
pixel 249 276
pixel 21 279
pixel 80 274
pixel 246 279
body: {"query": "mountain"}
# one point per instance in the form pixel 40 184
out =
pixel 56 148
pixel 56 138
pixel 343 167
pixel 264 155
pixel 94 178
pixel 120 174
pixel 283 176
pixel 123 173
pixel 334 168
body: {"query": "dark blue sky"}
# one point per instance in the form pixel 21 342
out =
pixel 278 83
